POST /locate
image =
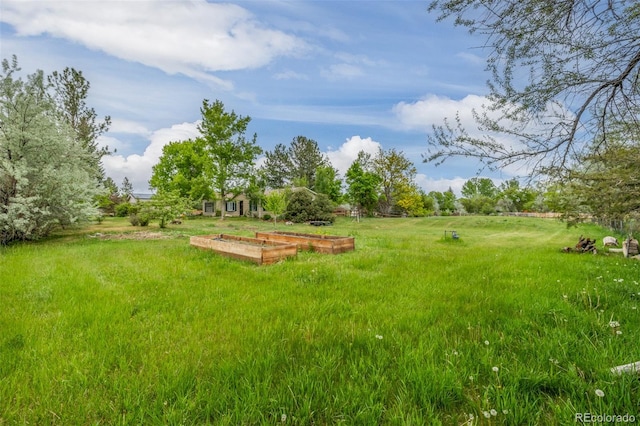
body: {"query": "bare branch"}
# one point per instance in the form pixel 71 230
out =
pixel 583 56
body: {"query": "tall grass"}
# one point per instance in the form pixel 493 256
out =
pixel 410 328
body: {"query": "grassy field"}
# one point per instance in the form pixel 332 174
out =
pixel 499 327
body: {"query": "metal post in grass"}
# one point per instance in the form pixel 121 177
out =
pixel 454 235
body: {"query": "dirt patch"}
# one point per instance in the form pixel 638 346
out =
pixel 143 235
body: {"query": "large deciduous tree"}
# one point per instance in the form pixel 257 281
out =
pixel 362 185
pixel 230 154
pixel 183 167
pixel 479 195
pixel 479 186
pixel 410 199
pixel 396 174
pixel 445 201
pixel 328 182
pixel 560 72
pixel 514 197
pixel 47 175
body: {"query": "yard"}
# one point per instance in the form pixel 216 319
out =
pixel 106 326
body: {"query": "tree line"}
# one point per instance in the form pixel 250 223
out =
pixel 221 164
pixel 50 169
pixel 564 83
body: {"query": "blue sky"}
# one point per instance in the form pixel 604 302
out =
pixel 352 75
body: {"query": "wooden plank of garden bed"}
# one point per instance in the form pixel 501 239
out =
pixel 245 248
pixel 321 243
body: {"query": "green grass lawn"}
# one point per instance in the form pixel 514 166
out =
pixel 410 328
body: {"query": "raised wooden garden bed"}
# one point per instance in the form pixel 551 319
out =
pixel 255 250
pixel 320 243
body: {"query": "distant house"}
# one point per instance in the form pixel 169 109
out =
pixel 242 205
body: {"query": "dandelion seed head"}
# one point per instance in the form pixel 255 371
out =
pixel 379 337
pixel 493 412
pixel 614 324
pixel 495 369
pixel 505 411
pixel 283 418
pixel 486 414
pixel 618 332
pixel 600 393
pixel 486 342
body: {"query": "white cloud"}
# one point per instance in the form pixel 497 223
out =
pixel 192 38
pixel 119 125
pixel 432 110
pixel 290 75
pixel 356 59
pixel 306 11
pixel 440 185
pixel 345 155
pixel 342 71
pixel 137 168
pixel 323 114
pixel 471 58
pixel 113 143
pixel 351 66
